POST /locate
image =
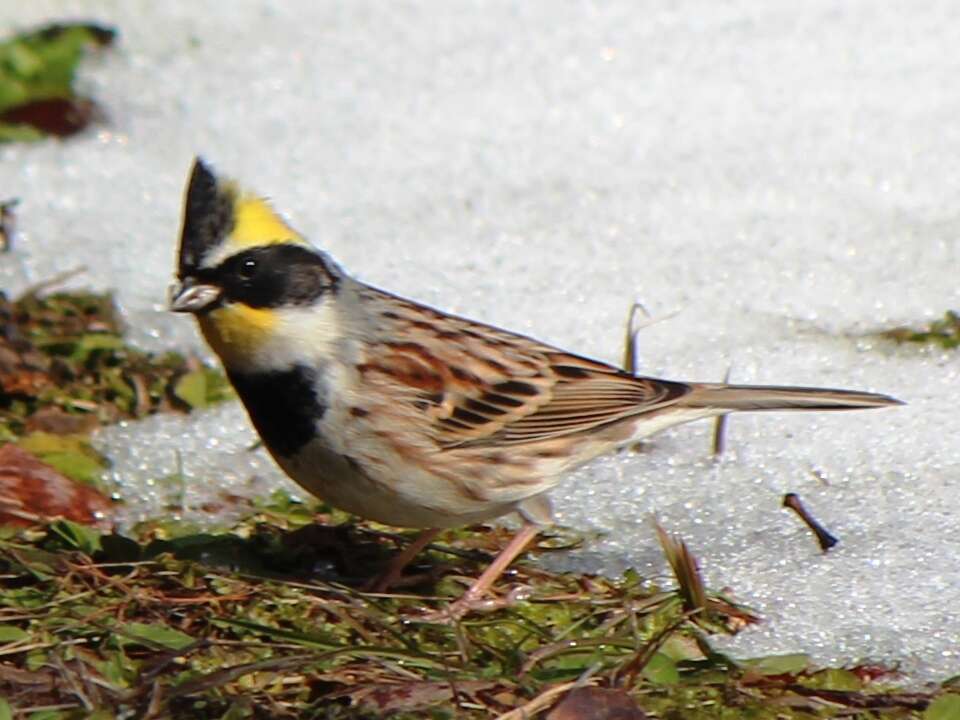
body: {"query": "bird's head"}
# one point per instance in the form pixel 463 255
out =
pixel 243 272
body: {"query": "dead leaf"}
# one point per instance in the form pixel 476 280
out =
pixel 390 698
pixel 60 117
pixel 56 421
pixel 32 491
pixel 685 569
pixel 9 359
pixel 24 382
pixel 593 703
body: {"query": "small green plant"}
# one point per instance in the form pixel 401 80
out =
pixel 37 68
pixel 944 332
pixel 66 369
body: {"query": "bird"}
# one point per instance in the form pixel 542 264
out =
pixel 404 414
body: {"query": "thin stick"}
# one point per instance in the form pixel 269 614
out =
pixel 630 341
pixel 52 282
pixel 630 354
pixel 541 701
pixel 8 222
pixel 720 425
pixel 824 538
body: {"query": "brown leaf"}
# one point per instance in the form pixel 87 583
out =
pixel 61 117
pixel 593 703
pixel 857 699
pixel 31 491
pixel 23 382
pixel 9 358
pixel 870 673
pixel 413 695
pixel 18 677
pixel 685 569
pixel 59 422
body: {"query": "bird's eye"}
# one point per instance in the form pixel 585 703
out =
pixel 247 269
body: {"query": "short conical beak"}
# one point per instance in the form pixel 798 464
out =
pixel 193 297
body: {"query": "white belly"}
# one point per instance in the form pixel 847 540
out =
pixel 402 500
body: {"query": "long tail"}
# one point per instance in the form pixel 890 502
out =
pixel 772 397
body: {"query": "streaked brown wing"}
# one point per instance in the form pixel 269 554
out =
pixel 582 394
pixel 480 385
pixel 586 395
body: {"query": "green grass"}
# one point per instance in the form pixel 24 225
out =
pixel 265 621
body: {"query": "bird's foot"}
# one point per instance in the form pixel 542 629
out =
pixel 471 602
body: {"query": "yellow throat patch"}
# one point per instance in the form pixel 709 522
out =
pixel 236 332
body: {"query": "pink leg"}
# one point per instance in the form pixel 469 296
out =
pixel 394 571
pixel 470 599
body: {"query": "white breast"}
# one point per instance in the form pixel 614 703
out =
pixel 404 499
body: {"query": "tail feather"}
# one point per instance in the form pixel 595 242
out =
pixel 773 397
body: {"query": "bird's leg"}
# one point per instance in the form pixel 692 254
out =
pixel 474 594
pixel 389 577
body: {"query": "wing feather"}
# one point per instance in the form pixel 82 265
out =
pixel 481 385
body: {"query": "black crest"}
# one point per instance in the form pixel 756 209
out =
pixel 207 217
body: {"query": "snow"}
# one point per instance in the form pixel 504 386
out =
pixel 782 175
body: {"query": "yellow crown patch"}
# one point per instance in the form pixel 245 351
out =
pixel 256 223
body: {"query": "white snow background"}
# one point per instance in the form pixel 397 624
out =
pixel 785 175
